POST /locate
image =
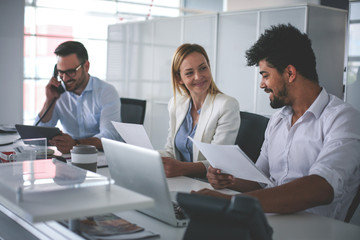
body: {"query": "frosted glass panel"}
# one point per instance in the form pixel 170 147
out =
pixel 162 63
pixel 116 66
pixel 117 32
pixel 201 30
pixel 294 16
pixel 167 32
pixel 330 59
pixel 141 90
pixel 140 32
pixel 140 60
pixel 233 76
pixel 162 91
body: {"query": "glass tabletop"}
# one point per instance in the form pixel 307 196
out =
pixel 47 175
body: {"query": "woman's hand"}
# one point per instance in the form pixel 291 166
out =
pixel 219 180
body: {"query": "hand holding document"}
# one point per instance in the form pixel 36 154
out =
pixel 133 134
pixel 231 159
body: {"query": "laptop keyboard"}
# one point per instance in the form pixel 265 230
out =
pixel 179 213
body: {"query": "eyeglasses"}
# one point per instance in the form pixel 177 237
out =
pixel 70 73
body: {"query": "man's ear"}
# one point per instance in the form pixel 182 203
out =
pixel 291 72
pixel 87 66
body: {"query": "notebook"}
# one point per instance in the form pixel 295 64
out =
pixel 141 170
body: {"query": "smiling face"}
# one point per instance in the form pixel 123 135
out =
pixel 195 74
pixel 275 84
pixel 78 82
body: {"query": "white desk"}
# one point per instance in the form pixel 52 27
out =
pixel 291 226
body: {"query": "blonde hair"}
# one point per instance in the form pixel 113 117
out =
pixel 179 56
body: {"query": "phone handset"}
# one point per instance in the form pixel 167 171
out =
pixel 60 88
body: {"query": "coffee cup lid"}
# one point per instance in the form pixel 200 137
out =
pixel 84 149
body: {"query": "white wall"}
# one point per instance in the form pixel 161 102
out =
pixel 11 61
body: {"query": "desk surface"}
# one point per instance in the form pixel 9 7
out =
pixel 286 226
pixel 291 226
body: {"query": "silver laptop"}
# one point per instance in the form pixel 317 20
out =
pixel 141 170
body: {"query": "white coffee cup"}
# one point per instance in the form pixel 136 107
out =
pixel 85 157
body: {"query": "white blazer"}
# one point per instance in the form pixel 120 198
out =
pixel 219 122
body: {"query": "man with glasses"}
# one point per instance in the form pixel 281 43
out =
pixel 86 108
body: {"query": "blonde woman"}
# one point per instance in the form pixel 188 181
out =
pixel 199 110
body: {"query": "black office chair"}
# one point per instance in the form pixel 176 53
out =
pixel 215 218
pixel 251 134
pixel 353 206
pixel 132 110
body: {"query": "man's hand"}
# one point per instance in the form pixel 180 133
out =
pixel 50 89
pixel 64 142
pixel 208 192
pixel 172 167
pixel 219 180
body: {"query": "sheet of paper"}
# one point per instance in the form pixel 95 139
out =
pixel 134 134
pixel 231 159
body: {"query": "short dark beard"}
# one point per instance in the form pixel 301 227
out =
pixel 80 81
pixel 279 102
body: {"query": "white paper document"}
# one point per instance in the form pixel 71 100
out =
pixel 231 159
pixel 134 134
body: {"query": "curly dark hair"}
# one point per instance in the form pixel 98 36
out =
pixel 284 45
pixel 70 47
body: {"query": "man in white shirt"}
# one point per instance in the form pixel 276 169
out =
pixel 312 145
pixel 86 108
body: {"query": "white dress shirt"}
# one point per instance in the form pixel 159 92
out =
pixel 324 141
pixel 90 114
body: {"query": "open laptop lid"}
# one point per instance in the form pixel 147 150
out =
pixel 141 170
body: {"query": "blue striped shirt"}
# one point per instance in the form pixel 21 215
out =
pixel 182 142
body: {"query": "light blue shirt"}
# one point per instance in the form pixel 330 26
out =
pixel 90 114
pixel 182 142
